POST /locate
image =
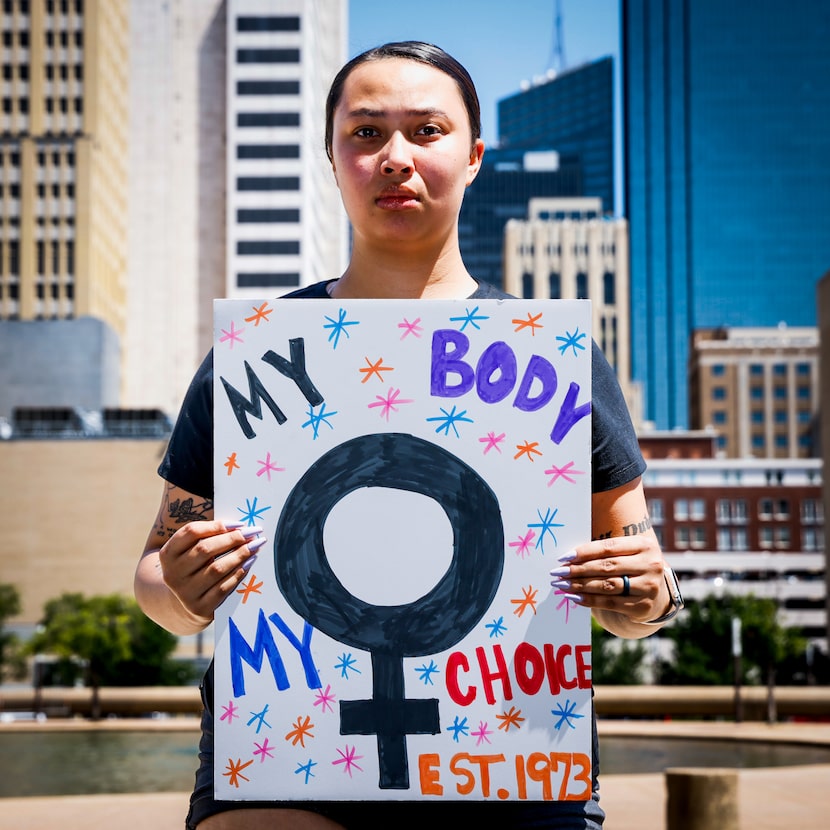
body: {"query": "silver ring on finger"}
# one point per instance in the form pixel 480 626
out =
pixel 626 588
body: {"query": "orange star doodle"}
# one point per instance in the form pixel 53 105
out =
pixel 375 369
pixel 259 314
pixel 234 772
pixel 302 730
pixel 511 718
pixel 527 601
pixel 531 323
pixel 528 449
pixel 252 587
pixel 231 463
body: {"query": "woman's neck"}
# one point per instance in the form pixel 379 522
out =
pixel 395 275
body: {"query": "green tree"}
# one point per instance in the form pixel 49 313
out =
pixel 616 661
pixel 12 663
pixel 110 635
pixel 702 642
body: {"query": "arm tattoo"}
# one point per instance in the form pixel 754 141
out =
pixel 179 512
pixel 627 530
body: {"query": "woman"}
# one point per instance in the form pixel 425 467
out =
pixel 403 137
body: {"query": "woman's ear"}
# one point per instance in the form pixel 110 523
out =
pixel 476 155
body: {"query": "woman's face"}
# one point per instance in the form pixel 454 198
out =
pixel 402 153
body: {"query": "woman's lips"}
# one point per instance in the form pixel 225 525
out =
pixel 396 199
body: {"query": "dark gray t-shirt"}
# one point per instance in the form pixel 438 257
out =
pixel 615 454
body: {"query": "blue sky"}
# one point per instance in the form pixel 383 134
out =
pixel 500 42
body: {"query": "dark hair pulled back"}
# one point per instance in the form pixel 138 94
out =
pixel 413 50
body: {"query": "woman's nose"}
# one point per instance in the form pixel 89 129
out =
pixel 396 157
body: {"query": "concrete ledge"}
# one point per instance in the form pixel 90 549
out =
pixel 611 701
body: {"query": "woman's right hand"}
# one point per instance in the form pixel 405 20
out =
pixel 203 562
pixel 191 562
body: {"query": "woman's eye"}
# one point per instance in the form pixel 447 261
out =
pixel 366 132
pixel 429 130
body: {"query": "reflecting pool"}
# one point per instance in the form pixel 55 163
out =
pixel 69 763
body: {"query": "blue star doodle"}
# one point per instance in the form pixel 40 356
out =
pixel 497 627
pixel 565 714
pixel 572 341
pixel 449 420
pixel 259 719
pixel 339 326
pixel 459 728
pixel 470 318
pixel 546 525
pixel 346 664
pixel 317 418
pixel 251 512
pixel 306 768
pixel 425 673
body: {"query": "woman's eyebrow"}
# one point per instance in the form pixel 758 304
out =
pixel 367 112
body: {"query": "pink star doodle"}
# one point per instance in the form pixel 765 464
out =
pixel 389 403
pixel 264 749
pixel 325 699
pixel 563 472
pixel 492 441
pixel 232 335
pixel 410 328
pixel 229 712
pixel 267 467
pixel 523 544
pixel 482 733
pixel 348 759
pixel 566 601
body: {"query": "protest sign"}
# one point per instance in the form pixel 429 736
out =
pixel 417 467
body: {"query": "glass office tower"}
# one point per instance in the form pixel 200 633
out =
pixel 727 147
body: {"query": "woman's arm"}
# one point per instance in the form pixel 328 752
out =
pixel 624 544
pixel 191 562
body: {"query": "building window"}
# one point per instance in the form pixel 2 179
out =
pixel 581 286
pixel 681 509
pixel 267 215
pixel 698 537
pixel 555 285
pixel 718 393
pixel 782 508
pixel 268 119
pixel 756 393
pixel 267 151
pixel 247 56
pixel 765 509
pixel 267 87
pixel 698 509
pixel 719 416
pixel 765 537
pixel 655 510
pixel 681 538
pixel 266 183
pixel 271 23
pixel 812 511
pixel 812 539
pixel 527 286
pixel 609 289
pixel 270 247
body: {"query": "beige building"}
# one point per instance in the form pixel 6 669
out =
pixel 565 249
pixel 63 161
pixel 76 514
pixel 758 388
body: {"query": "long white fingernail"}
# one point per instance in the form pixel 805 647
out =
pixel 246 565
pixel 257 543
pixel 251 531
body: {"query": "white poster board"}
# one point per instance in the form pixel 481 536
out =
pixel 417 468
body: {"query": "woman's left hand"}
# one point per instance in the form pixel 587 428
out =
pixel 621 574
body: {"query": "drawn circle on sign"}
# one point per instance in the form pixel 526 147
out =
pixel 446 613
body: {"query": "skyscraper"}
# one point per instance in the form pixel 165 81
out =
pixel 285 226
pixel 727 142
pixel 63 228
pixel 573 112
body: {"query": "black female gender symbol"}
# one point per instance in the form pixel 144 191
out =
pixel 430 624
